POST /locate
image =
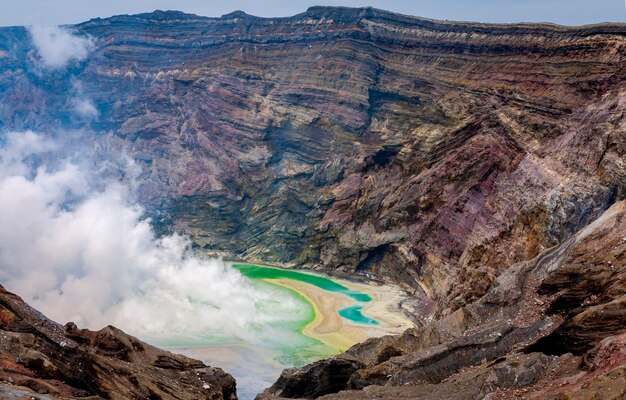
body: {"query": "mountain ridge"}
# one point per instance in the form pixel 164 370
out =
pixel 353 14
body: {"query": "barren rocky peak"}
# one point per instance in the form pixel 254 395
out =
pixel 472 163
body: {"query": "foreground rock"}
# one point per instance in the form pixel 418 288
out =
pixel 550 328
pixel 43 360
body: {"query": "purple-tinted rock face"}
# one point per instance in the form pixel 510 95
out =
pixel 430 153
pixel 550 328
pixel 448 157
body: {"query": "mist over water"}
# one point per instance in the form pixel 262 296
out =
pixel 76 247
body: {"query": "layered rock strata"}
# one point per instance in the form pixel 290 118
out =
pixel 431 153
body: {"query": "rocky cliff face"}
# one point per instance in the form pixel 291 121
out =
pixel 550 328
pixel 41 359
pixel 431 153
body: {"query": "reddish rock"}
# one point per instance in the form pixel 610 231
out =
pixel 41 359
pixel 430 153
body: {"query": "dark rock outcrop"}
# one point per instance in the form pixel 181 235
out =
pixel 535 334
pixel 41 359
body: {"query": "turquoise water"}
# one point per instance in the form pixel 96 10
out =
pixel 354 313
pixel 256 361
pixel 259 272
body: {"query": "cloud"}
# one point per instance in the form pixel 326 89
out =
pixel 82 105
pixel 85 108
pixel 80 250
pixel 57 46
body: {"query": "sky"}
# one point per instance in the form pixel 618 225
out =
pixel 565 12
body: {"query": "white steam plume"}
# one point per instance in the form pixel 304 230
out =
pixel 80 104
pixel 83 253
pixel 57 46
pixel 85 108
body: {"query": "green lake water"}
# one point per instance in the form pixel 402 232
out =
pixel 292 347
pixel 258 272
pixel 257 365
pixel 353 313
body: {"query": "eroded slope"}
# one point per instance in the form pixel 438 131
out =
pixel 430 153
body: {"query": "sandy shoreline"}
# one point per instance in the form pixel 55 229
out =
pixel 338 333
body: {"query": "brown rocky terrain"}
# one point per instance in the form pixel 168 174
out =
pixel 550 328
pixel 40 359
